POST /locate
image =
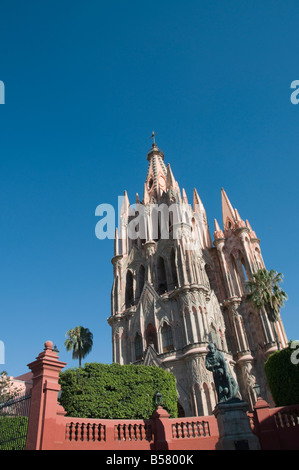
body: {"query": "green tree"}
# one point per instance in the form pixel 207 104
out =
pixel 8 390
pixel 114 391
pixel 263 291
pixel 282 371
pixel 80 341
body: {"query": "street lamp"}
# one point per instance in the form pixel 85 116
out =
pixel 158 399
pixel 257 390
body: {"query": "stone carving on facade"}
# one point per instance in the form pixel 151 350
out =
pixel 199 371
pixel 249 378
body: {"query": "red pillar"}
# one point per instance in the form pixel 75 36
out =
pixel 266 429
pixel 42 429
pixel 162 429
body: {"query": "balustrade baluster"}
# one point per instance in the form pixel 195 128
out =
pixel 103 432
pixel 180 432
pixel 116 433
pixel 92 432
pixel 207 428
pixel 81 431
pixel 196 429
pixel 142 432
pixel 292 419
pixel 185 430
pixel 76 431
pixel 201 429
pixel 280 420
pixel 68 434
pixel 137 432
pixel 128 434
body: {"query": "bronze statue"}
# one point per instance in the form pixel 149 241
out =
pixel 226 387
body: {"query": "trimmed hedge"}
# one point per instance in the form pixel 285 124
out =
pixel 111 391
pixel 283 377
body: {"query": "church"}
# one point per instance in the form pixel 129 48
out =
pixel 176 289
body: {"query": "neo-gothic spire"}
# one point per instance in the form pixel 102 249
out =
pixel 156 179
pixel 228 213
pixel 170 181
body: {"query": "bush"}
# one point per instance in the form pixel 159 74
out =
pixel 283 377
pixel 116 391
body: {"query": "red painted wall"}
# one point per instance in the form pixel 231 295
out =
pixel 50 429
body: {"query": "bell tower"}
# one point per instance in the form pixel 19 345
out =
pixel 249 333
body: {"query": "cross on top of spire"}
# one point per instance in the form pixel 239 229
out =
pixel 154 150
pixel 153 137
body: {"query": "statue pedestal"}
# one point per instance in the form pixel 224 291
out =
pixel 234 428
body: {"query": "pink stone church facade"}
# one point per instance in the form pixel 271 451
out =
pixel 173 295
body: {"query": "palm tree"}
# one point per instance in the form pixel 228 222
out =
pixel 80 340
pixel 263 291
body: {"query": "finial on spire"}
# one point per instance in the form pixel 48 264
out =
pixel 153 137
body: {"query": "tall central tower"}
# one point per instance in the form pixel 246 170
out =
pixel 175 290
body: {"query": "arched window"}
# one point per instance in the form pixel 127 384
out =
pixel 156 222
pixel 193 226
pixel 181 412
pixel 141 278
pixel 161 276
pixel 115 293
pixel 173 269
pixel 244 269
pixel 236 277
pixel 138 347
pixel 167 338
pixel 151 336
pixel 170 220
pixel 129 299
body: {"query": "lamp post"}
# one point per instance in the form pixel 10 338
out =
pixel 158 399
pixel 257 390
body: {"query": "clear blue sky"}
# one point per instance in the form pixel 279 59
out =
pixel 86 83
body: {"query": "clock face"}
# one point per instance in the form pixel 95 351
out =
pixel 162 182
